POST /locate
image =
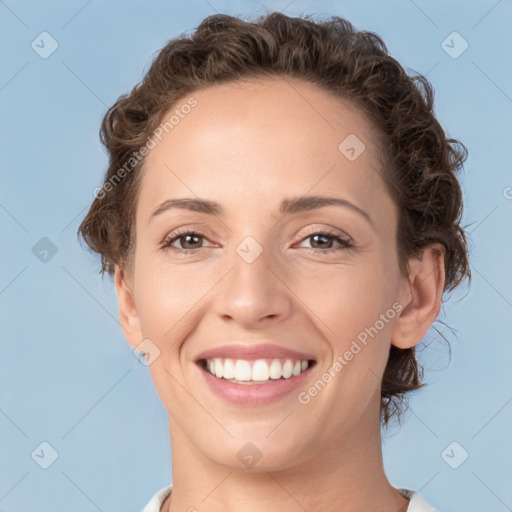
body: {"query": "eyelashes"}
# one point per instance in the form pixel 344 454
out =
pixel 177 235
pixel 343 241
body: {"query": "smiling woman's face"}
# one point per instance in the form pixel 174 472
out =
pixel 258 271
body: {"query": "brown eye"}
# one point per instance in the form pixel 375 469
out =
pixel 188 241
pixel 322 242
pixel 322 239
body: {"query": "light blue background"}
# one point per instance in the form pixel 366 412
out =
pixel 68 377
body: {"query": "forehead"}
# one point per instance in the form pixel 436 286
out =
pixel 264 138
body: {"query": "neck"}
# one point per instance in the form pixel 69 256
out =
pixel 346 476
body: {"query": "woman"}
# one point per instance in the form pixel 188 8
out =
pixel 281 218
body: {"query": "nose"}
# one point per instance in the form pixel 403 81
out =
pixel 253 293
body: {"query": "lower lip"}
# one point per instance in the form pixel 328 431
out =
pixel 254 394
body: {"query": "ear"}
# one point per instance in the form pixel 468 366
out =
pixel 128 316
pixel 421 295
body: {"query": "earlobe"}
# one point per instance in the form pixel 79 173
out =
pixel 128 316
pixel 421 297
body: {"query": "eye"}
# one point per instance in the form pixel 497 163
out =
pixel 325 240
pixel 186 238
pixel 190 241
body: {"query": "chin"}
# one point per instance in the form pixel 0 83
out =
pixel 253 455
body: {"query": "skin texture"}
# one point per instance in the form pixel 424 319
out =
pixel 249 145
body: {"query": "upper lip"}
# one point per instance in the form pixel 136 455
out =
pixel 250 352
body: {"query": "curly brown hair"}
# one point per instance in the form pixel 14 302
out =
pixel 420 162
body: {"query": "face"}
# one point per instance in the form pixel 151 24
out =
pixel 266 266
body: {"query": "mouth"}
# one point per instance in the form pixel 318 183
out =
pixel 255 371
pixel 254 374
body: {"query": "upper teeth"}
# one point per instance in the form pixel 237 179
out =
pixel 257 370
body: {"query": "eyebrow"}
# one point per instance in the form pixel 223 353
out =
pixel 288 206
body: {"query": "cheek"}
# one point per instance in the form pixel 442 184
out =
pixel 350 298
pixel 354 305
pixel 165 296
pixel 171 302
pixel 167 303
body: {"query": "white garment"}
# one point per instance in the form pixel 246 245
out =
pixel 416 504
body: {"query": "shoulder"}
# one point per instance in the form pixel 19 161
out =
pixel 157 500
pixel 416 503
